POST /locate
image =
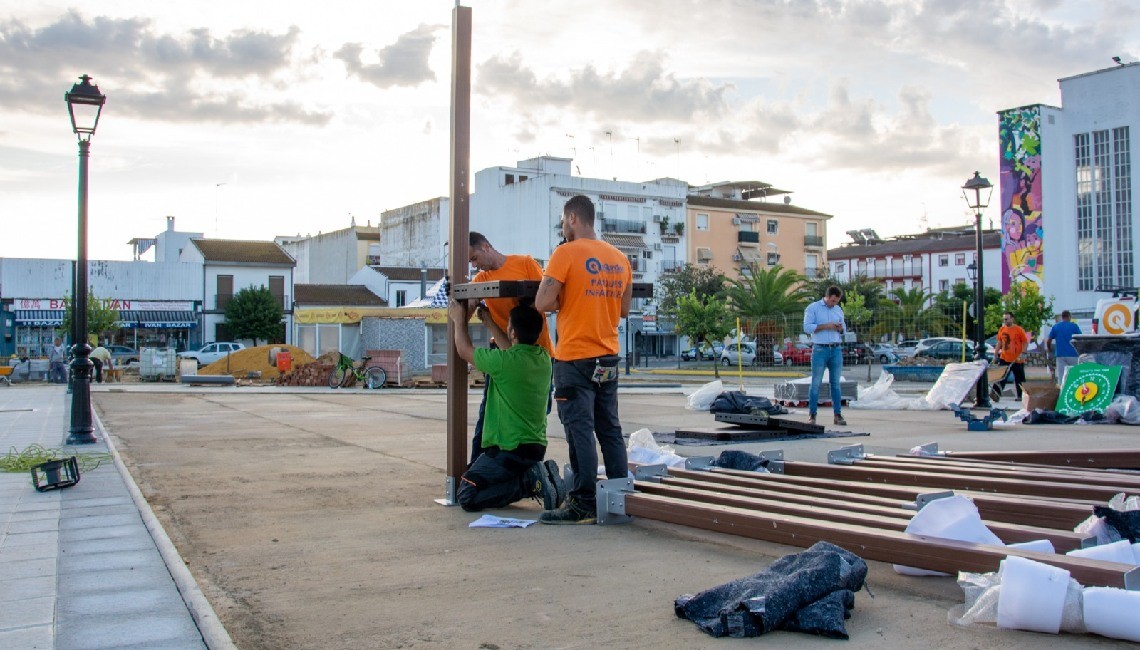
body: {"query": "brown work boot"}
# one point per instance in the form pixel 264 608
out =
pixel 840 421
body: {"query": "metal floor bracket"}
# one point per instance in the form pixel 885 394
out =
pixel 846 455
pixel 699 463
pixel 651 472
pixel 929 449
pixel 450 495
pixel 775 460
pixel 611 500
pixel 921 500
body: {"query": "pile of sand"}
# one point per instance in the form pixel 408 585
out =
pixel 243 362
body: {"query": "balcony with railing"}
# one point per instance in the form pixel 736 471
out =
pixel 672 266
pixel 813 240
pixel 747 237
pixel 623 225
pixel 221 300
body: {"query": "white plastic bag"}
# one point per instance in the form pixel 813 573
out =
pixel 1125 409
pixel 1112 612
pixel 882 396
pixel 643 448
pixel 702 398
pixel 953 518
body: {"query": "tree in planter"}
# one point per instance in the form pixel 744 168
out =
pixel 703 319
pixel 679 228
pixel 100 317
pixel 254 313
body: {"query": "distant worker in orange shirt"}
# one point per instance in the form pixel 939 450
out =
pixel 590 284
pixel 493 266
pixel 1011 343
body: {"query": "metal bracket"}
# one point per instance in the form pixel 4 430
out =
pixel 1132 580
pixel 611 500
pixel 846 455
pixel 650 472
pixel 450 492
pixel 1088 542
pixel 775 460
pixel 929 449
pixel 699 463
pixel 921 500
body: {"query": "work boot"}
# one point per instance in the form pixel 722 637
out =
pixel 539 487
pixel 555 480
pixel 570 513
pixel 811 419
pixel 840 421
pixel 995 393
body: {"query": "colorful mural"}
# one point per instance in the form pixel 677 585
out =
pixel 1022 230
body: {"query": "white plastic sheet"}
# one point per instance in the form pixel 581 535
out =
pixel 1032 595
pixel 955 383
pixel 703 397
pixel 1115 552
pixel 954 518
pixel 643 448
pixel 1112 612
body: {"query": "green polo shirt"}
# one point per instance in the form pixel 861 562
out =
pixel 517 394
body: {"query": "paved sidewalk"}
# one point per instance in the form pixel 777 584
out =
pixel 78 567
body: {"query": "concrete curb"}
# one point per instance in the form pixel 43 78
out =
pixel 211 628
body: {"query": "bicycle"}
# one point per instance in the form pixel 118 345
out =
pixel 346 371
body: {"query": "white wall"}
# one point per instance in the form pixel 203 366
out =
pixel 134 280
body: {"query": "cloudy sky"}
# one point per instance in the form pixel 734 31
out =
pixel 252 119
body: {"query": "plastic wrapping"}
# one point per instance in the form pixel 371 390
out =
pixel 982 590
pixel 703 397
pixel 1112 612
pixel 1125 409
pixel 643 448
pixel 1120 551
pixel 953 518
pixel 955 383
pixel 1032 595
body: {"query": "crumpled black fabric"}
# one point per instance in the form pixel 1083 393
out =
pixel 734 459
pixel 1041 416
pixel 734 401
pixel 1127 523
pixel 801 592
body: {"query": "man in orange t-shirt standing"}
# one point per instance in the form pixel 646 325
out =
pixel 493 266
pixel 1011 342
pixel 590 284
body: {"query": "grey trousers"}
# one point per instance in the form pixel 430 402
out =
pixel 588 410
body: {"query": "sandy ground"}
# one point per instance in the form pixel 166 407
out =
pixel 308 520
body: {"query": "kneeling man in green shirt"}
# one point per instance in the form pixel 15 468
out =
pixel 511 466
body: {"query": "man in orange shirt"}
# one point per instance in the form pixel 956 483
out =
pixel 493 266
pixel 590 284
pixel 1011 342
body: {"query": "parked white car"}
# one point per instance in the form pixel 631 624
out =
pixel 744 353
pixel 211 352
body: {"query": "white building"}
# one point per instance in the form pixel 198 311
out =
pixel 333 257
pixel 229 266
pixel 1066 189
pixel 415 236
pixel 935 260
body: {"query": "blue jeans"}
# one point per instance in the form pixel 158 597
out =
pixel 588 409
pixel 830 358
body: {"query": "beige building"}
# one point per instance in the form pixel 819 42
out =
pixel 732 225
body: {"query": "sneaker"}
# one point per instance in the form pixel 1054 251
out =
pixel 539 487
pixel 569 513
pixel 811 419
pixel 995 393
pixel 840 421
pixel 555 480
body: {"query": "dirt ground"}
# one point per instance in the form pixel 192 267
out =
pixel 309 522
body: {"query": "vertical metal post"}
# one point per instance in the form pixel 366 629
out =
pixel 459 247
pixel 81 430
pixel 982 397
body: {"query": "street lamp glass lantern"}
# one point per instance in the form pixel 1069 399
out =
pixel 84 104
pixel 972 270
pixel 977 185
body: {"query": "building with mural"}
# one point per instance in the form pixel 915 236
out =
pixel 1065 189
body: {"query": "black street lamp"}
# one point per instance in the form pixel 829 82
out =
pixel 977 185
pixel 84 104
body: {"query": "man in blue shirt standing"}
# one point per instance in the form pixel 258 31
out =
pixel 823 320
pixel 1063 351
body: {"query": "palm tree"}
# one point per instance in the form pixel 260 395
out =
pixel 914 314
pixel 771 298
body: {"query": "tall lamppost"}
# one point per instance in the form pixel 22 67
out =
pixel 972 191
pixel 84 104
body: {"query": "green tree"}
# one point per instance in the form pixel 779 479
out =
pixel 705 281
pixel 768 293
pixel 100 317
pixel 1030 309
pixel 870 289
pixel 702 318
pixel 856 314
pixel 254 313
pixel 914 315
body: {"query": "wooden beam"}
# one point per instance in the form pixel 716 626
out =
pixel 1098 458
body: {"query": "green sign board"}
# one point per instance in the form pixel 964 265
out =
pixel 1088 387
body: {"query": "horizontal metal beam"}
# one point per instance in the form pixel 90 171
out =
pixel 521 289
pixel 1098 458
pixel 868 543
pixel 884 518
pixel 952 481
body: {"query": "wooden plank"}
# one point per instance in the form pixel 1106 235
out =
pixel 868 543
pixel 950 481
pixel 1098 458
pixel 1124 483
pixel 732 434
pixel 840 510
